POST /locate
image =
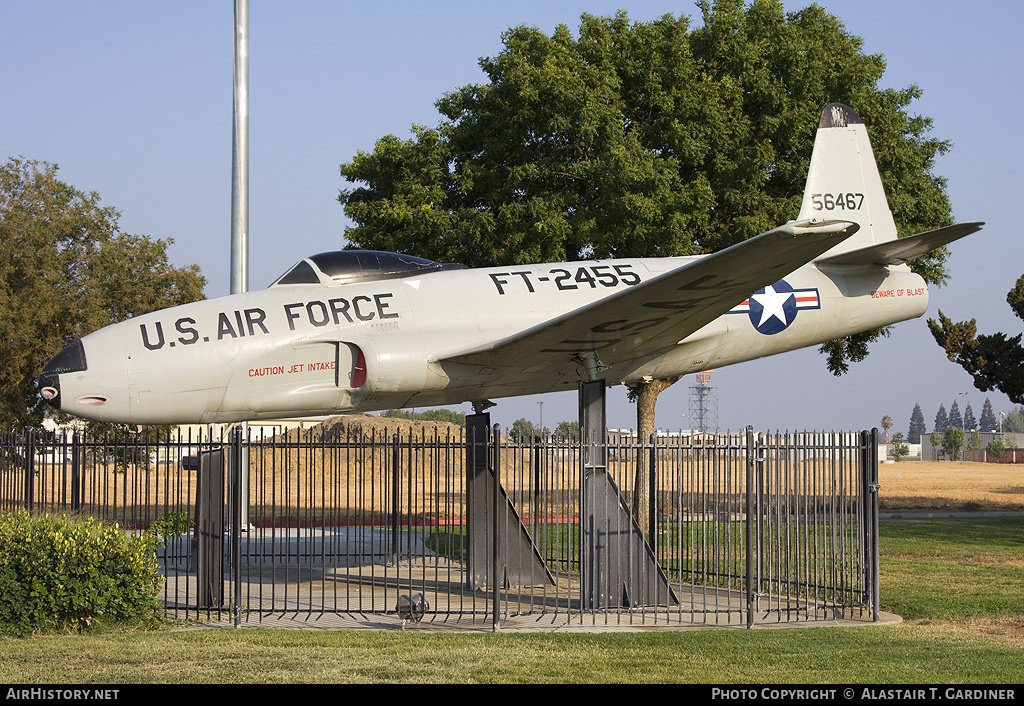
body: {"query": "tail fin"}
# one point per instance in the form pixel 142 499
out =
pixel 843 181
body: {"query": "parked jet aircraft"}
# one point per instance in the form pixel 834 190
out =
pixel 361 331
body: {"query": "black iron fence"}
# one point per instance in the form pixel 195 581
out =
pixel 739 527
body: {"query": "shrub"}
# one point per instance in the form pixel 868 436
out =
pixel 173 524
pixel 899 449
pixel 69 573
pixel 974 440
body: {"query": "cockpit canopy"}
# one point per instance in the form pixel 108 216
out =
pixel 345 266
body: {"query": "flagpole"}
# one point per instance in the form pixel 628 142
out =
pixel 240 212
pixel 240 154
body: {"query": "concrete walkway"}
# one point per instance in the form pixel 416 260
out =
pixel 366 597
pixel 559 623
pixel 348 579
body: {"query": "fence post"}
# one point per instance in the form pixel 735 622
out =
pixel 495 547
pixel 76 471
pixel 396 494
pixel 539 452
pixel 749 578
pixel 236 513
pixel 652 486
pixel 30 466
pixel 871 487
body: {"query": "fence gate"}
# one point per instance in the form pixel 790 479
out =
pixel 473 526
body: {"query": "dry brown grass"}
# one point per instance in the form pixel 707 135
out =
pixel 1011 628
pixel 951 486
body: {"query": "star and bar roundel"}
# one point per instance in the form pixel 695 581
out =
pixel 773 308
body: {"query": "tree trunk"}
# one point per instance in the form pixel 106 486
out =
pixel 646 394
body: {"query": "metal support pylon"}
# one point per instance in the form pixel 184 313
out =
pixel 517 559
pixel 618 566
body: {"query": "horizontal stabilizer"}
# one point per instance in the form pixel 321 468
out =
pixel 897 252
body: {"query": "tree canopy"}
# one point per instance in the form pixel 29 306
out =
pixel 969 421
pixel 996 361
pixel 567 431
pixel 955 418
pixel 427 415
pixel 917 425
pixel 524 431
pixel 66 269
pixel 1014 421
pixel 988 417
pixel 636 139
pixel 886 427
pixel 952 442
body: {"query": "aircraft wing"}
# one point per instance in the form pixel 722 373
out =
pixel 652 317
pixel 897 252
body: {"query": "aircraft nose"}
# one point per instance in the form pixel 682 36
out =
pixel 69 360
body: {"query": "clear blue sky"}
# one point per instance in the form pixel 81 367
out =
pixel 133 100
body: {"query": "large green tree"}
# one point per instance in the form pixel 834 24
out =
pixel 642 139
pixel 66 269
pixel 996 361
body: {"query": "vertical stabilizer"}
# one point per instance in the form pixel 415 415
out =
pixel 843 180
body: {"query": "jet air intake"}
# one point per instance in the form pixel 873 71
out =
pixel 69 360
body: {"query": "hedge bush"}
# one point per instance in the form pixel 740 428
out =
pixel 70 573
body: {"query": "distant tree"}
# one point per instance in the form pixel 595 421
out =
pixel 952 442
pixel 1014 421
pixel 996 448
pixel 936 441
pixel 887 427
pixel 67 269
pixel 917 426
pixel 995 362
pixel 969 421
pixel 444 415
pixel 567 431
pixel 941 420
pixel 974 442
pixel 522 431
pixel 899 449
pixel 427 415
pixel 988 420
pixel 955 418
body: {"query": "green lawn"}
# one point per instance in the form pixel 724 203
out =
pixel 958 570
pixel 957 582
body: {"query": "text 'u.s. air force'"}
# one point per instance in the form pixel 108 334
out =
pixel 254 321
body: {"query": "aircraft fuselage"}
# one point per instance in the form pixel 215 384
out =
pixel 365 330
pixel 303 349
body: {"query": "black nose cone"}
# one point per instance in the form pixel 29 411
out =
pixel 69 360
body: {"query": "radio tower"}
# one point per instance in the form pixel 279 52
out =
pixel 704 404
